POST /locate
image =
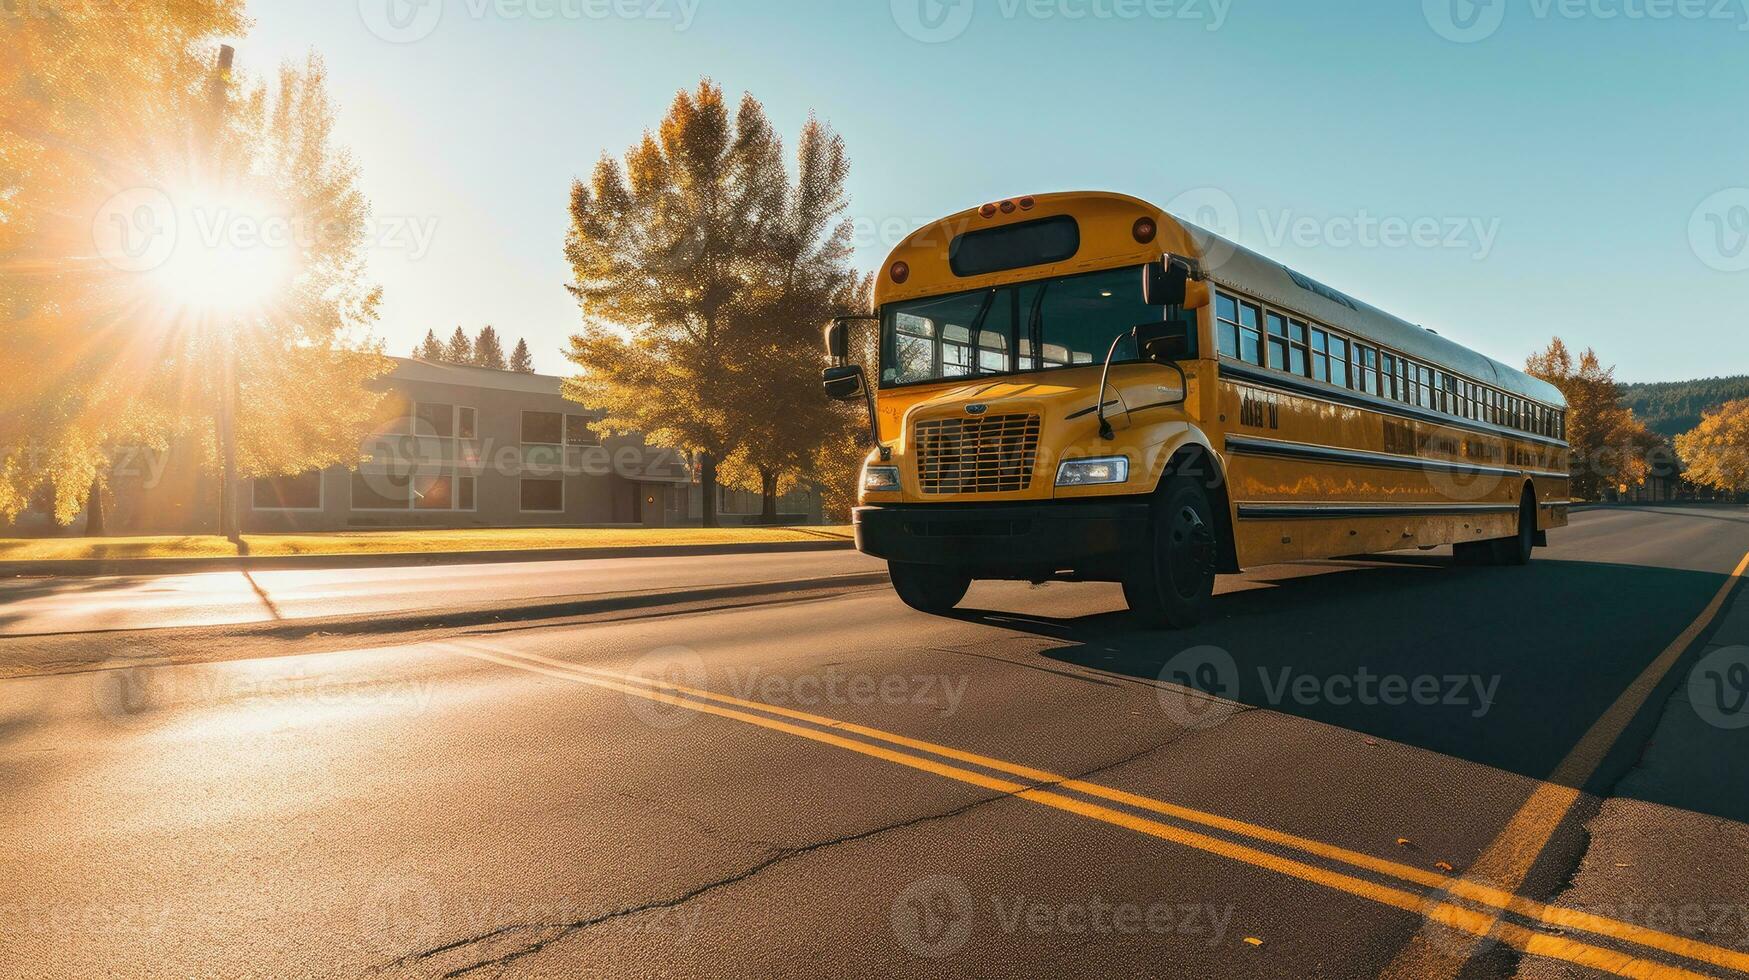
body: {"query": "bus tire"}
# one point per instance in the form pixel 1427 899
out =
pixel 1517 549
pixel 1172 582
pixel 928 588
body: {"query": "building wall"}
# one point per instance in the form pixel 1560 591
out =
pixel 472 447
pixel 424 455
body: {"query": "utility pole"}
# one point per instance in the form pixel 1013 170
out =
pixel 227 420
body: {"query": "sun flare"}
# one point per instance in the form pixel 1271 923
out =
pixel 230 256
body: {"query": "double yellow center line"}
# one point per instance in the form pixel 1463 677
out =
pixel 1436 897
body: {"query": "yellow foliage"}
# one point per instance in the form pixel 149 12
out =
pixel 136 202
pixel 1716 452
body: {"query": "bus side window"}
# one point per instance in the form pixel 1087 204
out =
pixel 1388 383
pixel 1227 324
pixel 1277 341
pixel 1250 334
pixel 1296 338
pixel 1366 364
pixel 1320 355
pixel 1338 362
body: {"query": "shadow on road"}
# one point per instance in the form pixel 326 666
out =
pixel 1526 659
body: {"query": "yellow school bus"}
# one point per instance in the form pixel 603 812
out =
pixel 1083 387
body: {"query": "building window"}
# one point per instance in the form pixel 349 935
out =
pixel 434 493
pixel 543 496
pixel 434 420
pixel 301 492
pixel 543 428
pixel 381 490
pixel 578 432
pixel 465 427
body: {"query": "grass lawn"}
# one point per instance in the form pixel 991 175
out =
pixel 402 542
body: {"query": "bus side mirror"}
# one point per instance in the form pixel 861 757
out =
pixel 845 383
pixel 1166 341
pixel 837 340
pixel 1164 282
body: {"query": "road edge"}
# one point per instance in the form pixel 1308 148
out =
pixel 85 567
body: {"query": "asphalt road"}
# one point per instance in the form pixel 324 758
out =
pixel 839 786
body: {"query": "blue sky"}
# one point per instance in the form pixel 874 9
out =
pixel 1500 172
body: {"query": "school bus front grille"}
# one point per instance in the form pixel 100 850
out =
pixel 977 455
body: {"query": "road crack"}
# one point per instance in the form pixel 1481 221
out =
pixel 550 933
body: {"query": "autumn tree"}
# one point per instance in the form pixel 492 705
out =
pixel 1609 445
pixel 160 224
pixel 786 412
pixel 459 350
pixel 488 349
pixel 68 397
pixel 684 256
pixel 1716 452
pixel 430 349
pixel 521 361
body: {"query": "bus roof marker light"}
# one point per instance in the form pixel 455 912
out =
pixel 900 272
pixel 1026 203
pixel 1144 230
pixel 1007 207
pixel 988 210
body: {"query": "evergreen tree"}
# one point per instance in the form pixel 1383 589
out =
pixel 521 361
pixel 488 349
pixel 460 349
pixel 430 349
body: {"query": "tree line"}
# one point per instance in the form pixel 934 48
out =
pixel 1671 408
pixel 485 351
pixel 1613 447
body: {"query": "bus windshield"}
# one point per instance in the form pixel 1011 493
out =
pixel 1031 326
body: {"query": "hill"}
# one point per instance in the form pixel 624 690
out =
pixel 1671 408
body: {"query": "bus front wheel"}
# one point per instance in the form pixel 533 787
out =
pixel 1172 582
pixel 928 588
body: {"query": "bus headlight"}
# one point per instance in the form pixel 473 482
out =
pixel 880 479
pixel 1089 472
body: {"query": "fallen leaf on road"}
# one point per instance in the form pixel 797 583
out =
pixel 1253 940
pixel 1404 842
pixel 1444 866
pixel 1371 741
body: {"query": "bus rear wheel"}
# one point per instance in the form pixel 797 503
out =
pixel 1516 550
pixel 1172 582
pixel 928 588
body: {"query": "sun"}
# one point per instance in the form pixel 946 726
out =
pixel 231 256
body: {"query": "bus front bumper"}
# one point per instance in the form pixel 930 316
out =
pixel 1032 540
